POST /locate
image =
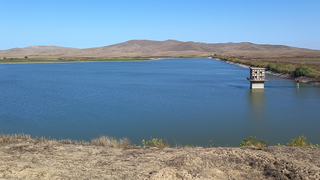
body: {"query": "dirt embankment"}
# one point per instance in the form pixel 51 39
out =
pixel 43 159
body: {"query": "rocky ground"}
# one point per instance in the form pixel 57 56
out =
pixel 49 159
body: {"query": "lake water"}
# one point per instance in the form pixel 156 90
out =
pixel 185 101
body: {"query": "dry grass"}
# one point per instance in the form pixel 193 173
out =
pixel 111 142
pixel 101 141
pixel 16 138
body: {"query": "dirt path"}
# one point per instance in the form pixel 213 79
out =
pixel 36 159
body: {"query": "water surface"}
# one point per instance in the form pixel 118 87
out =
pixel 186 101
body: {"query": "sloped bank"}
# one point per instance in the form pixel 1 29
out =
pixel 285 75
pixel 27 158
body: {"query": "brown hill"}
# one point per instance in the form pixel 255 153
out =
pixel 163 48
pixel 35 51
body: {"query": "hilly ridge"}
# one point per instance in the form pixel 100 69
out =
pixel 163 48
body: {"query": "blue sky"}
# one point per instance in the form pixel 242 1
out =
pixel 94 23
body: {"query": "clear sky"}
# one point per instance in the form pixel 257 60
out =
pixel 94 23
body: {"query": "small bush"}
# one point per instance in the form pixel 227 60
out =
pixel 301 71
pixel 252 141
pixel 301 141
pixel 290 66
pixel 155 142
pixel 272 66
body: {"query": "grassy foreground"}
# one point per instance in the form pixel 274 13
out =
pixel 107 141
pixel 23 157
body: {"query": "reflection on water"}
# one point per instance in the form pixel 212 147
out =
pixel 256 103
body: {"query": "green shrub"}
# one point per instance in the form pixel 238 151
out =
pixel 155 142
pixel 271 66
pixel 290 66
pixel 301 141
pixel 302 71
pixel 252 141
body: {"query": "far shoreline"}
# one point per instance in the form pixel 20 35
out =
pixel 285 75
pixel 40 62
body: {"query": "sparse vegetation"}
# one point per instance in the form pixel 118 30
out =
pixel 252 141
pixel 106 141
pixel 315 145
pixel 281 68
pixel 301 141
pixel 23 157
pixel 295 67
pixel 111 142
pixel 9 139
pixel 155 142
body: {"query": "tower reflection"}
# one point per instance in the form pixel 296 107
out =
pixel 256 103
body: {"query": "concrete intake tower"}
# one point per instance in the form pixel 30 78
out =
pixel 257 78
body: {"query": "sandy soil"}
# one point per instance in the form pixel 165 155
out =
pixel 43 159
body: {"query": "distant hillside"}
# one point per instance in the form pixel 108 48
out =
pixel 162 48
pixel 34 51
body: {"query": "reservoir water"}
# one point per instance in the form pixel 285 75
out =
pixel 185 101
